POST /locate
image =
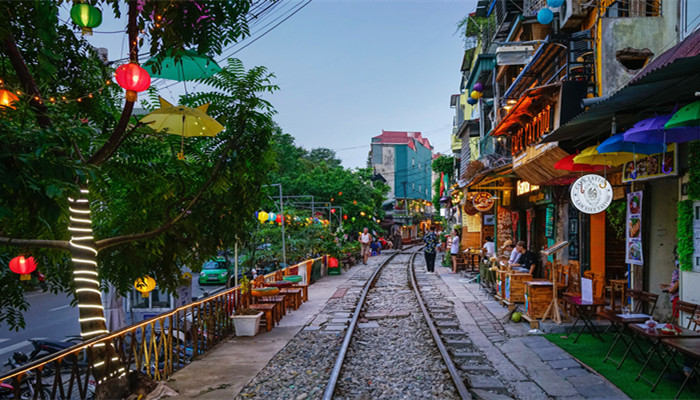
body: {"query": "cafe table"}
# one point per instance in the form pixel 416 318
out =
pixel 656 337
pixel 690 349
pixel 585 311
pixel 623 333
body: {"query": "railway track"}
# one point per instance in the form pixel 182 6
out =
pixel 392 347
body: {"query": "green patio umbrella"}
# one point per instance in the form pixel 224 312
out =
pixel 182 65
pixel 686 116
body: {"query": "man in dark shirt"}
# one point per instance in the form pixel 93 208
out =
pixel 528 260
pixel 431 241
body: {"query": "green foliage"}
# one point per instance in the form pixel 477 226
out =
pixel 444 164
pixel 685 234
pixel 617 217
pixel 694 171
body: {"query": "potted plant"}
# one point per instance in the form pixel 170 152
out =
pixel 245 320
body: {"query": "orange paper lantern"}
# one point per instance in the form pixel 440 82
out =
pixel 7 98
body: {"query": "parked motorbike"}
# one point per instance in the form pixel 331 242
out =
pixel 27 386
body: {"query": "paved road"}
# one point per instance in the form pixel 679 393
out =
pixel 49 316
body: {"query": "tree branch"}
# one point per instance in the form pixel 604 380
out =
pixel 105 243
pixel 47 244
pixel 27 80
pixel 116 138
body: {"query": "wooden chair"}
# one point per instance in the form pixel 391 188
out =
pixel 686 308
pixel 292 295
pixel 649 299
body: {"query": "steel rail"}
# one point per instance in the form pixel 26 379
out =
pixel 454 373
pixel 335 373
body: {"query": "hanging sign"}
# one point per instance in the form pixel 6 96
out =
pixel 653 166
pixel 591 194
pixel 483 201
pixel 633 251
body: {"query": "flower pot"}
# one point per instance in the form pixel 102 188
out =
pixel 247 325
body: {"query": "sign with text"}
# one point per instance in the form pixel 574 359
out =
pixel 591 194
pixel 633 245
pixel 653 166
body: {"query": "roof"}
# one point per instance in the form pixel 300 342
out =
pixel 402 137
pixel 670 79
pixel 484 63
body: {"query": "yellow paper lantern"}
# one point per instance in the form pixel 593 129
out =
pixel 145 285
pixel 362 213
pixel 262 216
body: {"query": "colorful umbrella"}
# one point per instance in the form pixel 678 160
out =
pixel 686 116
pixel 617 144
pixel 181 120
pixel 567 164
pixel 591 156
pixel 182 65
pixel 652 130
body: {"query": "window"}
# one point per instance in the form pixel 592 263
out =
pixel 426 191
pixel 690 17
pixel 413 186
pixel 419 188
pixel 413 162
pixel 420 166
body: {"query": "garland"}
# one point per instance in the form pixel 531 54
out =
pixel 685 234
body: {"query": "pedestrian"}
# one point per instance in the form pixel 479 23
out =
pixel 396 236
pixel 365 239
pixel 376 247
pixel 431 241
pixel 489 248
pixel 454 250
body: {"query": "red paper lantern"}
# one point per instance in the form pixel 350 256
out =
pixel 133 78
pixel 333 210
pixel 279 219
pixel 23 266
pixel 345 217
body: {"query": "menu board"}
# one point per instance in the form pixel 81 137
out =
pixel 633 245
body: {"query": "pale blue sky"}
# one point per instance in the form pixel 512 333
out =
pixel 348 69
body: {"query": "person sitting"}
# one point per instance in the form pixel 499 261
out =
pixel 385 244
pixel 488 250
pixel 526 261
pixel 375 247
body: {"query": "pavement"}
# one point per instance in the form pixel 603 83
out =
pixel 531 366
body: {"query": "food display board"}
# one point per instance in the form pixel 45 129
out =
pixel 633 245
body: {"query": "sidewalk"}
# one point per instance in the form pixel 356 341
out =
pixel 529 365
pixel 228 368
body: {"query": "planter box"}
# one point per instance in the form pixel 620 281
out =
pixel 515 286
pixel 247 325
pixel 538 295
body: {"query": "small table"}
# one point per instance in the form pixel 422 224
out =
pixel 690 348
pixel 657 337
pixel 623 333
pixel 585 311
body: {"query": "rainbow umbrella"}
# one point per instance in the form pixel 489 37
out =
pixel 617 144
pixel 686 116
pixel 653 130
pixel 567 164
pixel 591 156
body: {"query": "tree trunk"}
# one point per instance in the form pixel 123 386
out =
pixel 105 361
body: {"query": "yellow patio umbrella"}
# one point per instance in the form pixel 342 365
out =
pixel 590 155
pixel 184 121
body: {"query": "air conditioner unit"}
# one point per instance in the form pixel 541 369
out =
pixel 572 12
pixel 514 55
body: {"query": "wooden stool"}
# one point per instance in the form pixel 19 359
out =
pixel 268 311
pixel 292 296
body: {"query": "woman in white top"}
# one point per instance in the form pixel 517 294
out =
pixel 454 250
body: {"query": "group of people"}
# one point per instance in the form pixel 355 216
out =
pixel 432 242
pixel 517 256
pixel 370 244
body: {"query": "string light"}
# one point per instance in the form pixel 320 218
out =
pixel 63 99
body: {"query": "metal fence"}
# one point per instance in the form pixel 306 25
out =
pixel 158 346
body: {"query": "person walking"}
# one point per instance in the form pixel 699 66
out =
pixel 431 241
pixel 396 236
pixel 365 239
pixel 454 250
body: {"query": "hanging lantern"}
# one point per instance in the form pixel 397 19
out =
pixel 145 285
pixel 362 213
pixel 475 95
pixel 7 98
pixel 271 217
pixel 545 16
pixel 133 78
pixel 353 219
pixel 340 193
pixel 354 202
pixel 345 217
pixel 262 216
pixel 555 3
pixel 279 219
pixel 23 266
pixel 479 87
pixel 86 16
pixel 472 101
pixel 332 210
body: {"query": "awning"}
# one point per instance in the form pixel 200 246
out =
pixel 672 78
pixel 530 103
pixel 536 163
pixel 484 63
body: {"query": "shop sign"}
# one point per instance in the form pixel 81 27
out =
pixel 483 201
pixel 525 187
pixel 536 197
pixel 633 247
pixel 653 166
pixel 591 194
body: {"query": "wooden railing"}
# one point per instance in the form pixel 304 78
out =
pixel 158 346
